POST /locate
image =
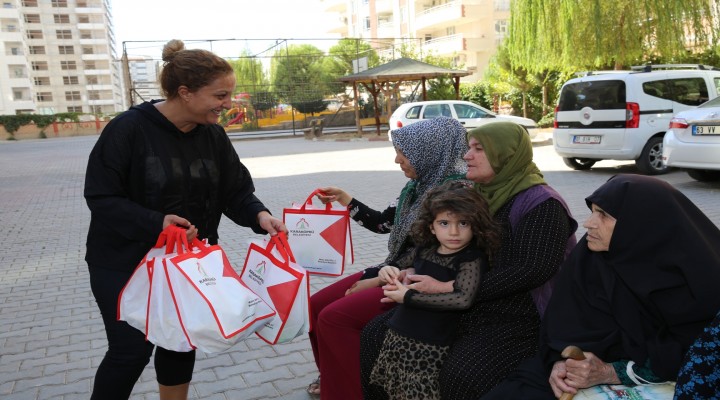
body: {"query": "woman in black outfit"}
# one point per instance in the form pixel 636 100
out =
pixel 161 163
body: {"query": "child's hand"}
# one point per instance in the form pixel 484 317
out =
pixel 394 293
pixel 388 273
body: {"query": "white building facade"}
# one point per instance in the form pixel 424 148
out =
pixel 469 31
pixel 58 56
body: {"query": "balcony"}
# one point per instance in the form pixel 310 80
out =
pixel 448 14
pixel 339 26
pixel 446 44
pixel 339 6
pixel 101 41
pixel 386 30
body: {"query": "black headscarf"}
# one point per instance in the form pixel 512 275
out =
pixel 651 293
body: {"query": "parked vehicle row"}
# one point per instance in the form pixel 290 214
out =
pixel 469 114
pixel 624 115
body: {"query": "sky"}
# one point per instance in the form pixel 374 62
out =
pixel 190 20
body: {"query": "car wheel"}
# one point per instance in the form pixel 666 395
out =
pixel 579 164
pixel 650 161
pixel 704 175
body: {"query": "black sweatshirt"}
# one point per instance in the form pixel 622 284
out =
pixel 143 168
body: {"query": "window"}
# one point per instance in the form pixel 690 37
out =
pixel 32 18
pixel 86 35
pixel 63 34
pixel 34 34
pixel 18 95
pixel 7 4
pixel 89 65
pixel 83 19
pixel 39 65
pixel 68 65
pixel 59 3
pixel 437 110
pixel 70 80
pixel 92 80
pixel 66 49
pixel 36 49
pixel 93 95
pixel 16 51
pixel 466 111
pixel 74 109
pixel 18 71
pixel 88 50
pixel 41 81
pixel 501 28
pixel 9 28
pixel 29 3
pixel 43 96
pixel 450 30
pixel 367 23
pixel 688 91
pixel 96 109
pixel 61 18
pixel 72 96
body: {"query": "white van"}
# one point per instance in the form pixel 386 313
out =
pixel 623 115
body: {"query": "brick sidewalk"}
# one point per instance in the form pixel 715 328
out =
pixel 51 334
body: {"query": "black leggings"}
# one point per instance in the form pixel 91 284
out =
pixel 128 351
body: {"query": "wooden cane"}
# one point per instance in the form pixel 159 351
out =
pixel 572 352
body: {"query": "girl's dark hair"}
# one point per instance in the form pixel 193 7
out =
pixel 466 203
pixel 193 68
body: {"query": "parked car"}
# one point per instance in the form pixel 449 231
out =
pixel 693 141
pixel 623 115
pixel 469 114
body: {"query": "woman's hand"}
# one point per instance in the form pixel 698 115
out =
pixel 569 375
pixel 190 229
pixel 388 274
pixel 332 193
pixel 427 284
pixel 270 224
pixel 362 285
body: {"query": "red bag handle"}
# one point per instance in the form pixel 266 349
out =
pixel 280 242
pixel 308 202
pixel 174 239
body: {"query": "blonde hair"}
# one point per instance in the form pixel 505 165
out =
pixel 192 68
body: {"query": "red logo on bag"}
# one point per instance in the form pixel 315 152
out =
pixel 260 268
pixel 207 280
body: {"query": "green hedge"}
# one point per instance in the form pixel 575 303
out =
pixel 14 122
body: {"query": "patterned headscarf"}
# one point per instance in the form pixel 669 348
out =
pixel 434 148
pixel 509 151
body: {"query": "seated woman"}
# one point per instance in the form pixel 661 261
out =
pixel 699 376
pixel 633 295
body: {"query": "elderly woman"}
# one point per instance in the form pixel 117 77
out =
pixel 634 294
pixel 537 231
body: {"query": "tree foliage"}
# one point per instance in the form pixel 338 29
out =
pixel 347 50
pixel 249 74
pixel 302 75
pixel 575 34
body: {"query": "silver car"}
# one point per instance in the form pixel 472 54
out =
pixel 693 141
pixel 469 114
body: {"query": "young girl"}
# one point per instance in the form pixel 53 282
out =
pixel 455 236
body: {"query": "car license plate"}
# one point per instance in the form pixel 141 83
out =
pixel 586 139
pixel 706 130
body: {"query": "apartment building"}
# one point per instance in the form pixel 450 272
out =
pixel 469 31
pixel 144 78
pixel 58 56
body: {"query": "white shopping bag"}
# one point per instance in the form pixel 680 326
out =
pixel 320 236
pixel 194 298
pixel 270 271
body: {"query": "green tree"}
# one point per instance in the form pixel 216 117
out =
pixel 577 34
pixel 301 77
pixel 249 74
pixel 347 50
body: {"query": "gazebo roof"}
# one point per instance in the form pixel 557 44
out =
pixel 402 69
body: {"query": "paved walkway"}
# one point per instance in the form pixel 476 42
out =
pixel 51 335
